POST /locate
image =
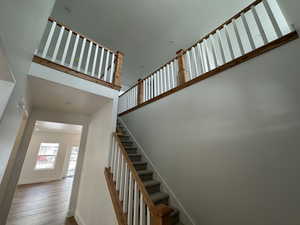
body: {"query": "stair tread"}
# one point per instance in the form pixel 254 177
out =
pixel 139 162
pixel 144 172
pixel 149 183
pixel 157 196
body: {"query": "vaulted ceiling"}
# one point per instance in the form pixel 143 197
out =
pixel 147 32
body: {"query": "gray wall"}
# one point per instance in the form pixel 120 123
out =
pixel 229 146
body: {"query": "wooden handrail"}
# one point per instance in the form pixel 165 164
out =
pixel 51 19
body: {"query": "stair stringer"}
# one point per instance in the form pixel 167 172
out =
pixel 185 217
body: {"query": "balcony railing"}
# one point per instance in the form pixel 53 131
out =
pixel 66 50
pixel 255 30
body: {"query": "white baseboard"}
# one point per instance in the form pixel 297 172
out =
pixel 78 219
pixel 186 217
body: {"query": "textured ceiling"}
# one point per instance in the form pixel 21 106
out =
pixel 148 32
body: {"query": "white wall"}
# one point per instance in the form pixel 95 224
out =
pixel 66 141
pixel 229 145
pixel 94 204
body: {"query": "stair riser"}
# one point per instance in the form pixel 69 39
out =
pixel 135 158
pixel 162 201
pixel 127 144
pixel 131 151
pixel 153 189
pixel 140 167
pixel 146 177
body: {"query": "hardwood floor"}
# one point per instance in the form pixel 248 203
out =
pixel 42 204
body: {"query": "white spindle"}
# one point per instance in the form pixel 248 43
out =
pixel 112 154
pixel 189 64
pixel 201 58
pixel 58 42
pixel 229 42
pixel 249 35
pixel 142 210
pixel 144 90
pixel 81 54
pixel 195 61
pixel 272 18
pixel 63 59
pixel 88 58
pixel 119 170
pixel 112 67
pixel 259 25
pixel 165 79
pixel 158 82
pixel 106 65
pixel 213 50
pixel 218 33
pixel 173 74
pixel 116 163
pixel 100 64
pixel 74 51
pixel 206 50
pixel 136 205
pixel 168 77
pixel 95 60
pixel 121 183
pixel 130 199
pixel 148 216
pixel 238 37
pixel 49 39
pixel 125 197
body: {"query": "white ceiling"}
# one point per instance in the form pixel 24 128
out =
pixel 148 32
pixel 44 126
pixel 56 97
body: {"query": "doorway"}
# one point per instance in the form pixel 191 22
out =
pixel 45 184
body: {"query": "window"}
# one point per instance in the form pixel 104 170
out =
pixel 46 156
pixel 72 162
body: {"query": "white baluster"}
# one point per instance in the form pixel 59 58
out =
pixel 112 154
pixel 130 199
pixel 74 51
pixel 121 183
pixel 125 197
pixel 189 64
pixel 238 37
pixel 106 65
pixel 218 33
pixel 144 90
pixel 81 54
pixel 158 82
pixel 116 163
pixel 259 25
pixel 272 18
pixel 95 60
pixel 136 205
pixel 229 42
pixel 100 64
pixel 148 216
pixel 212 42
pixel 195 61
pixel 58 42
pixel 46 48
pixel 88 58
pixel 206 54
pixel 201 58
pixel 142 210
pixel 119 170
pixel 162 81
pixel 154 85
pixel 172 74
pixel 63 59
pixel 165 79
pixel 249 35
pixel 112 68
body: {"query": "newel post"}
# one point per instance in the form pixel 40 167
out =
pixel 140 94
pixel 183 76
pixel 118 68
pixel 162 216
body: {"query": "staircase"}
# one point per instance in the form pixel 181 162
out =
pixel 152 186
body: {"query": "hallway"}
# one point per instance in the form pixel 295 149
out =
pixel 41 204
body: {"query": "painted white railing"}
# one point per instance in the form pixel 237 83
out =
pixel 254 27
pixel 133 197
pixel 65 47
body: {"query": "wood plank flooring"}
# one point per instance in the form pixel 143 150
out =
pixel 42 204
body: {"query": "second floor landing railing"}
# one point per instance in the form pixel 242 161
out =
pixel 255 30
pixel 68 51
